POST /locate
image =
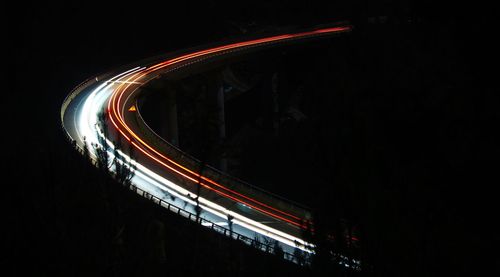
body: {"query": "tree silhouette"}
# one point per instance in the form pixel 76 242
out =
pixel 277 249
pixel 299 256
pixel 230 224
pixel 124 168
pixel 101 148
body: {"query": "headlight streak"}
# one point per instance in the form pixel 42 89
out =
pixel 88 122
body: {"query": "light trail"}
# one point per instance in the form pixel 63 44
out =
pixel 113 96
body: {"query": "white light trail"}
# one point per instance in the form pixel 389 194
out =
pixel 97 101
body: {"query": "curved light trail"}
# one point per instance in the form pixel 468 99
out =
pixel 159 173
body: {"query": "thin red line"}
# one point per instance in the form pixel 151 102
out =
pixel 114 105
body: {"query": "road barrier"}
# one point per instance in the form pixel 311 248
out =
pixel 256 243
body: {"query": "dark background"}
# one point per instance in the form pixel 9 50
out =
pixel 52 47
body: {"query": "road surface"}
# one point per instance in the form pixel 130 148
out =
pixel 164 171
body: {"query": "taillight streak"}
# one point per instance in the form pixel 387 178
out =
pixel 116 114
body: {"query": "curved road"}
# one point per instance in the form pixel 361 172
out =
pixel 163 170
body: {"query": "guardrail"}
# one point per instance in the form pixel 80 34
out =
pixel 254 242
pixel 74 92
pixel 266 247
pixel 304 259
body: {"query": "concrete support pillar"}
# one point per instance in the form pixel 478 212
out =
pixel 172 123
pixel 276 104
pixel 221 123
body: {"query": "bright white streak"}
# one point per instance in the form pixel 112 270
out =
pixel 94 104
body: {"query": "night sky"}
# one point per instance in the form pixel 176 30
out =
pixel 52 47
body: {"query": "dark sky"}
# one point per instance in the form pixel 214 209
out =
pixel 52 47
